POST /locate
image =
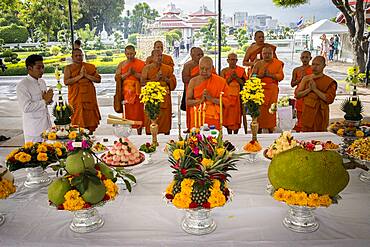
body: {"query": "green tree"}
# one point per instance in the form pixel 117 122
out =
pixel 172 35
pixel 47 15
pixel 118 40
pixel 142 13
pixel 241 36
pixel 208 34
pixel 99 12
pixel 355 21
pixel 9 10
pixel 86 34
pixel 132 39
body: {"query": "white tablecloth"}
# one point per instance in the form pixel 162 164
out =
pixel 141 218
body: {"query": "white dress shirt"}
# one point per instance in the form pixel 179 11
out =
pixel 36 117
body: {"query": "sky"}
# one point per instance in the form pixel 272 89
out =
pixel 321 9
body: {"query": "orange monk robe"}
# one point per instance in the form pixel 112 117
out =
pixel 267 120
pixel 315 115
pixel 299 102
pixel 82 98
pixel 233 114
pixel 194 72
pixel 165 115
pixel 166 59
pixel 214 85
pixel 134 110
pixel 255 52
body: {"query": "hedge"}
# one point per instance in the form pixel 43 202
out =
pixel 14 34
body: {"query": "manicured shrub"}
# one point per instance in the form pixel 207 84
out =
pixel 14 34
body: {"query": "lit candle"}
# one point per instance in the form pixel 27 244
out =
pixel 200 115
pixel 195 116
pixel 204 113
pixel 221 111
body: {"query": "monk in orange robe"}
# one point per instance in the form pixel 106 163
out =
pixel 270 71
pixel 297 76
pixel 235 77
pixel 189 72
pixel 157 71
pixel 166 59
pixel 80 77
pixel 254 52
pixel 127 78
pixel 204 91
pixel 318 91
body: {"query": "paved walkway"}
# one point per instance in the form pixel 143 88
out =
pixel 11 117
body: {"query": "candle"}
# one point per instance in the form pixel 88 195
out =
pixel 221 111
pixel 204 113
pixel 179 113
pixel 195 116
pixel 200 115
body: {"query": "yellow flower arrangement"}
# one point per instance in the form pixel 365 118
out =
pixel 178 153
pixel 73 201
pixel 42 157
pixel 11 154
pixel 207 163
pixel 28 145
pixel 72 135
pixel 58 145
pixel 23 157
pixel 42 148
pixel 301 198
pixel 6 188
pixel 169 188
pixel 52 136
pixel 252 95
pixel 111 188
pixel 151 96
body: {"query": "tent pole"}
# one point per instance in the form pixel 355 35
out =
pixel 71 21
pixel 219 36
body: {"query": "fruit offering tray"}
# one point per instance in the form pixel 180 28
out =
pixel 350 129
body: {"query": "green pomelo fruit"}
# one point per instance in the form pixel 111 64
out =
pixel 57 189
pixel 78 162
pixel 312 172
pixel 106 170
pixel 94 193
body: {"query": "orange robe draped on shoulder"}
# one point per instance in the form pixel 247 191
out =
pixel 194 72
pixel 233 113
pixel 82 97
pixel 134 110
pixel 214 85
pixel 315 115
pixel 166 59
pixel 165 116
pixel 267 120
pixel 255 52
pixel 299 102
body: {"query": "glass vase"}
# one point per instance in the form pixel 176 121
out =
pixel 86 220
pixel 300 219
pixel 36 178
pixel 198 222
pixel 154 131
pixel 254 128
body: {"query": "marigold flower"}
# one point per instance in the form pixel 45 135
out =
pixel 72 135
pixel 23 157
pixel 42 157
pixel 58 152
pixel 207 163
pixel 42 148
pixel 73 201
pixel 178 153
pixel 58 145
pixel 6 188
pixel 52 136
pixel 220 151
pixel 325 201
pixel 169 188
pixel 28 145
pixel 111 188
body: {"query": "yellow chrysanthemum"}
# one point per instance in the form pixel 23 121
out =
pixel 23 157
pixel 28 145
pixel 279 195
pixel 187 183
pixel 178 153
pixel 207 163
pixel 325 201
pixel 73 201
pixel 42 148
pixel 313 200
pixel 169 188
pixel 12 153
pixel 301 198
pixel 58 145
pixel 72 135
pixel 42 157
pixel 181 200
pixel 111 188
pixel 217 198
pixel 216 184
pixel 52 136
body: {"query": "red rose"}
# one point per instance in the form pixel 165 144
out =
pixel 193 205
pixel 183 171
pixel 169 196
pixel 206 205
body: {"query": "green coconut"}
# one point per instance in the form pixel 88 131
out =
pixel 77 163
pixel 95 192
pixel 57 189
pixel 319 172
pixel 105 170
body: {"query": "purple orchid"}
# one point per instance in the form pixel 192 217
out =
pixel 196 151
pixel 70 147
pixel 85 144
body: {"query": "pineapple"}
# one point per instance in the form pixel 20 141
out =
pixel 176 188
pixel 200 193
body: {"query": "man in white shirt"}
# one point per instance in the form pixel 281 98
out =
pixel 33 98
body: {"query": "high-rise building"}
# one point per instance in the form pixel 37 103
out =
pixel 240 19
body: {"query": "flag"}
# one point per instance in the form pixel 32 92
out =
pixel 300 22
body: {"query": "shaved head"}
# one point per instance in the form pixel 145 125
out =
pixel 318 65
pixel 196 54
pixel 267 54
pixel 158 45
pixel 259 37
pixel 232 59
pixel 157 56
pixel 205 67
